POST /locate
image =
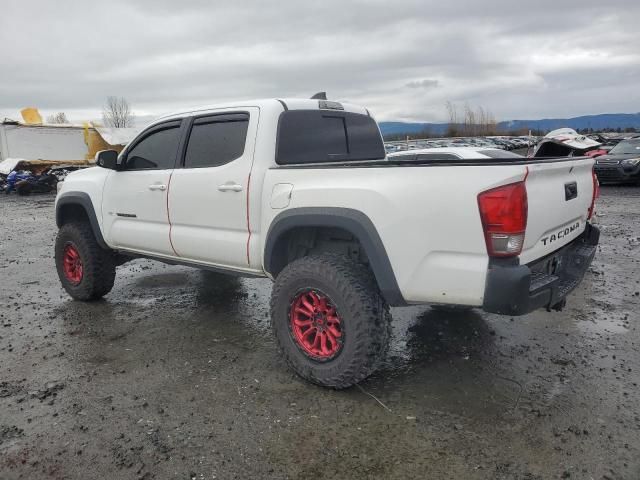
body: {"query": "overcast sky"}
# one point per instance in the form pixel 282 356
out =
pixel 402 59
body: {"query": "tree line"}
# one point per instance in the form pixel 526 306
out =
pixel 587 131
pixel 468 121
pixel 116 113
pixel 465 121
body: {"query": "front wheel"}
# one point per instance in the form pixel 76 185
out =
pixel 330 320
pixel 86 270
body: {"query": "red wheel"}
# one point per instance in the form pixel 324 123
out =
pixel 330 321
pixel 86 270
pixel 72 264
pixel 315 325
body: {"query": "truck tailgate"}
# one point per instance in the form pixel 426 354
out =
pixel 559 197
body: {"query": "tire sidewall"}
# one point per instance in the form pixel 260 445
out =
pixel 310 368
pixel 66 236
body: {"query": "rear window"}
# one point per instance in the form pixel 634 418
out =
pixel 318 136
pixel 495 153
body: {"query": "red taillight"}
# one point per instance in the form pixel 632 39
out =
pixel 596 195
pixel 503 211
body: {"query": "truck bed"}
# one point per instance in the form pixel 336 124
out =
pixel 426 213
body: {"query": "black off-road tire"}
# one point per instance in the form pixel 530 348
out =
pixel 99 265
pixel 364 315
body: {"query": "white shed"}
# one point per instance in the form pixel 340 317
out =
pixel 42 142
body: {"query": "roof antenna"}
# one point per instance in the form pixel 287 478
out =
pixel 320 96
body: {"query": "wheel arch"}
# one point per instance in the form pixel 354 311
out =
pixel 352 221
pixel 72 206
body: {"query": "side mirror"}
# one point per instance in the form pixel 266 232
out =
pixel 107 159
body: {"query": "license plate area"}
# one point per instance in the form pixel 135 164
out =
pixel 553 264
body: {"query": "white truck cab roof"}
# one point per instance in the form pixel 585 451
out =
pixel 280 104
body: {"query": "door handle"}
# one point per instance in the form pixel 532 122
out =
pixel 230 187
pixel 157 186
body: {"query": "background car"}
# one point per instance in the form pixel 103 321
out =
pixel 621 164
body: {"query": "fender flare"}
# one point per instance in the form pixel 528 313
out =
pixel 83 200
pixel 353 221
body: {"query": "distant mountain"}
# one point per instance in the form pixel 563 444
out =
pixel 597 122
pixel 395 128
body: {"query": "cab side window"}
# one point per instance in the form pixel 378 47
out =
pixel 155 151
pixel 216 140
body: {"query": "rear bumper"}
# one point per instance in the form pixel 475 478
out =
pixel 513 289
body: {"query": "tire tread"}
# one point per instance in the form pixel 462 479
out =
pixel 361 297
pixel 98 264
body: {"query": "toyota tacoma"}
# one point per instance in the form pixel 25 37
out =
pixel 301 191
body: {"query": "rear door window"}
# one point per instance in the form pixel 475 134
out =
pixel 319 136
pixel 216 140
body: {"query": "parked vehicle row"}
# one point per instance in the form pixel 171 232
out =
pixel 452 153
pixel 502 143
pixel 617 161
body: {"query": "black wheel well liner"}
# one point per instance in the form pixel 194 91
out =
pixel 70 204
pixel 350 220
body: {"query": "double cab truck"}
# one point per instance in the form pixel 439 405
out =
pixel 301 191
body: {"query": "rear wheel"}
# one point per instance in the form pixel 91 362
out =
pixel 86 270
pixel 330 321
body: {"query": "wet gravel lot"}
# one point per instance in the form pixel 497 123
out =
pixel 175 375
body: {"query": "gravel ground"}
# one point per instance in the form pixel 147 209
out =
pixel 175 375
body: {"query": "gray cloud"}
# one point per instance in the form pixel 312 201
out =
pixel 424 83
pixel 548 59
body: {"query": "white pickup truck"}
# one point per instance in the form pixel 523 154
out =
pixel 301 191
